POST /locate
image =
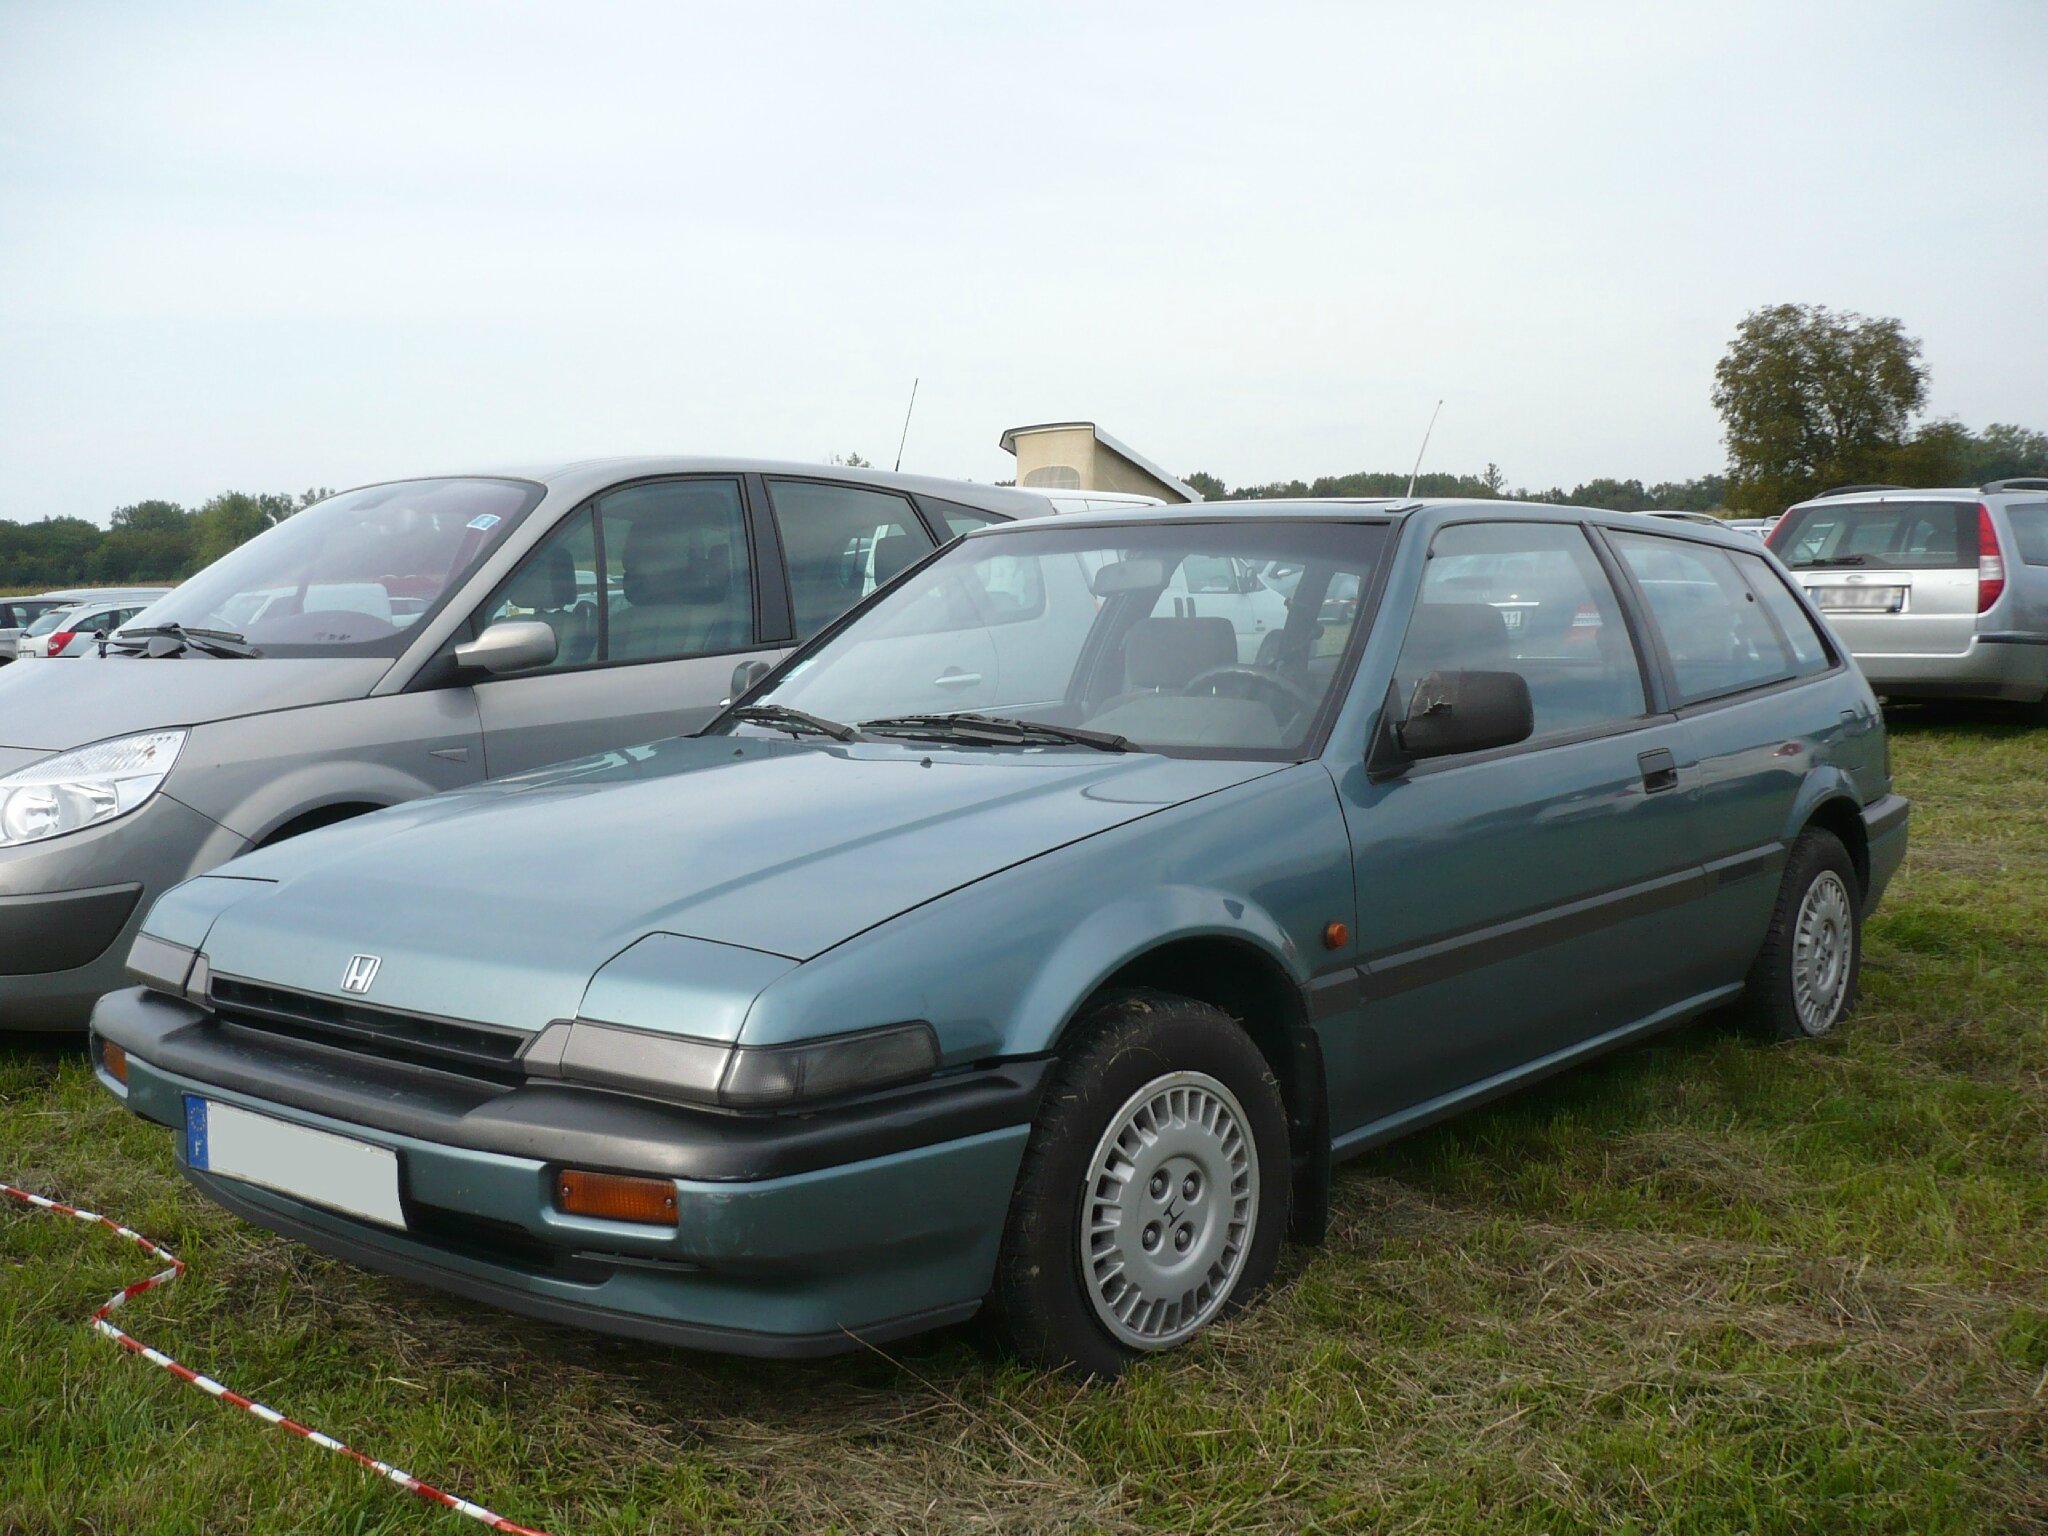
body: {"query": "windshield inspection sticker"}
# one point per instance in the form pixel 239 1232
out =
pixel 484 522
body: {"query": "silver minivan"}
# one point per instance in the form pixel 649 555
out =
pixel 1939 594
pixel 411 637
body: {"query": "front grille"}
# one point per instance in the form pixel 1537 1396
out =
pixel 474 1050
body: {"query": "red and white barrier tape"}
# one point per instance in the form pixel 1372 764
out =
pixel 102 1324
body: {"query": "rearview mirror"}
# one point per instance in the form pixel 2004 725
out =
pixel 1128 576
pixel 747 675
pixel 1452 712
pixel 512 646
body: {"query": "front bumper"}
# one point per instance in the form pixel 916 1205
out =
pixel 2008 667
pixel 69 907
pixel 798 1234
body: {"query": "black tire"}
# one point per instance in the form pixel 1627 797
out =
pixel 1772 1006
pixel 1043 1302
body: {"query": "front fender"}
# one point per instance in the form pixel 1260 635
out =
pixel 1000 967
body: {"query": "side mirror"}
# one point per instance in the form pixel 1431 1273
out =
pixel 1453 712
pixel 512 646
pixel 748 674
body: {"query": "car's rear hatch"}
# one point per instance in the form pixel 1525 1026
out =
pixel 1896 577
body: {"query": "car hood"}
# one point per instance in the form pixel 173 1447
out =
pixel 499 903
pixel 47 709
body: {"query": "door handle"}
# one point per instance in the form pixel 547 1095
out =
pixel 956 680
pixel 1660 770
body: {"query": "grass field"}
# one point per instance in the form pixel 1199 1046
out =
pixel 1701 1287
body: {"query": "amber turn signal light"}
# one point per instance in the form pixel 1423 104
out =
pixel 115 1060
pixel 616 1197
pixel 1336 935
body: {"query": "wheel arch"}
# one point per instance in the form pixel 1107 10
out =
pixel 1247 981
pixel 1831 806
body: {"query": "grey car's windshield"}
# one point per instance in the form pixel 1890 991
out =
pixel 353 574
pixel 1223 638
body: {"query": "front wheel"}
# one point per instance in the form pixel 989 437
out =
pixel 1804 980
pixel 1154 1194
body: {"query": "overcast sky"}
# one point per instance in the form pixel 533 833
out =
pixel 265 246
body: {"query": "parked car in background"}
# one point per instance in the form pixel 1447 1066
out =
pixel 72 629
pixel 1939 594
pixel 411 637
pixel 1705 519
pixel 17 613
pixel 1755 527
pixel 854 1012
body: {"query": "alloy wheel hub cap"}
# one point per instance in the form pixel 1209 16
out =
pixel 1822 940
pixel 1168 1210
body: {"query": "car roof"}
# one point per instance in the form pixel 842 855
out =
pixel 1396 509
pixel 582 477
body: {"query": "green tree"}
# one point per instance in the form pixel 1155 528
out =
pixel 233 518
pixel 1210 487
pixel 1810 398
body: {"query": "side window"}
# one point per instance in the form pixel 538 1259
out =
pixel 960 519
pixel 557 585
pixel 1809 651
pixel 1713 625
pixel 678 580
pixel 842 541
pixel 2030 531
pixel 1529 598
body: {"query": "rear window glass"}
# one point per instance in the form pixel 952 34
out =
pixel 1899 535
pixel 1809 651
pixel 2030 531
pixel 1714 627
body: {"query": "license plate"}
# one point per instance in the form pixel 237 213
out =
pixel 319 1167
pixel 1859 599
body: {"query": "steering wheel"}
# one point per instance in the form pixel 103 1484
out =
pixel 1297 699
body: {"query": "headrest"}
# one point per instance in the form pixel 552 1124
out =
pixel 1466 637
pixel 1170 653
pixel 895 553
pixel 546 583
pixel 669 561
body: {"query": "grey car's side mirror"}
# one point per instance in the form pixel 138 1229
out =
pixel 511 646
pixel 1453 712
pixel 746 675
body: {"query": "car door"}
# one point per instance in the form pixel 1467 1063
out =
pixel 652 591
pixel 1515 905
pixel 1733 642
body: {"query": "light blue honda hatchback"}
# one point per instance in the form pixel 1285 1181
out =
pixel 1038 936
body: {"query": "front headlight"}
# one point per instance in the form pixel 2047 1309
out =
pixel 80 789
pixel 695 1071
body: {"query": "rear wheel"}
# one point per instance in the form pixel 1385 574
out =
pixel 1153 1197
pixel 1805 977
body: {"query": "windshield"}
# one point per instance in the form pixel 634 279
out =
pixel 1899 535
pixel 1225 639
pixel 350 576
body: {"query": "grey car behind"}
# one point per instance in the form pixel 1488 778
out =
pixel 1938 593
pixel 407 638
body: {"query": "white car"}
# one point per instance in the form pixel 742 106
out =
pixel 70 631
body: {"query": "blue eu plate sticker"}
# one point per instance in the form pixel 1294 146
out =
pixel 195 1132
pixel 484 522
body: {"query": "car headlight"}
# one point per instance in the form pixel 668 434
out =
pixel 80 789
pixel 713 1072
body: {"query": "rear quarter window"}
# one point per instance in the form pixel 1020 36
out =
pixel 2030 530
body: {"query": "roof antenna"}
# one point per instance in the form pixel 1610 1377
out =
pixel 906 424
pixel 1422 450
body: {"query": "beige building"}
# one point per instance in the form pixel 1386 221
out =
pixel 1080 456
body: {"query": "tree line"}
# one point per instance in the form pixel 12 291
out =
pixel 153 543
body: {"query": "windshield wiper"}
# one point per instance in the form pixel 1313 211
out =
pixel 794 721
pixel 993 730
pixel 210 642
pixel 1834 560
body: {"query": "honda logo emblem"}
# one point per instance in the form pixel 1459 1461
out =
pixel 362 970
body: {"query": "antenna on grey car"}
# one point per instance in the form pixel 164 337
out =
pixel 906 424
pixel 1423 449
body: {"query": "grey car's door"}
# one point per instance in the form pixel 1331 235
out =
pixel 652 591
